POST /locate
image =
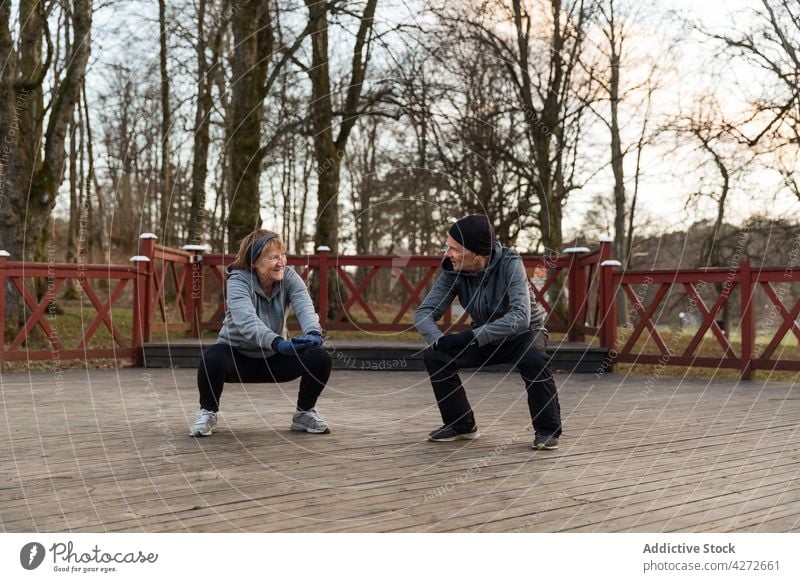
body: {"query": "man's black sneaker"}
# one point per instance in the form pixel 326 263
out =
pixel 448 433
pixel 545 442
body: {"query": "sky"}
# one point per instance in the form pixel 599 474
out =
pixel 667 182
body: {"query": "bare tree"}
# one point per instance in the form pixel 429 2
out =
pixel 101 227
pixel 540 57
pixel 206 70
pixel 129 116
pixel 769 41
pixel 627 79
pixel 33 151
pixel 253 48
pixel 256 65
pixel 715 139
pixel 330 150
pixel 166 123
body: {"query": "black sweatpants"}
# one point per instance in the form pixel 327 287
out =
pixel 526 351
pixel 222 363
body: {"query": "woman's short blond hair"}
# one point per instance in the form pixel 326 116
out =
pixel 242 260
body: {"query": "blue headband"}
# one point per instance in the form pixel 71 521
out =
pixel 258 246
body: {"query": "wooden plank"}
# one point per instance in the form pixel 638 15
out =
pixel 88 457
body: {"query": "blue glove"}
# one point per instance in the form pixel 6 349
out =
pixel 285 347
pixel 309 340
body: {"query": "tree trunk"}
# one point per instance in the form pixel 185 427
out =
pixel 325 154
pixel 101 224
pixel 300 221
pixel 74 195
pixel 166 185
pixel 329 152
pixel 253 46
pixel 201 134
pixel 617 159
pixel 74 184
pixel 34 172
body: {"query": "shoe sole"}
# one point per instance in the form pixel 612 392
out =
pixel 303 428
pixel 201 434
pixel 459 437
pixel 544 448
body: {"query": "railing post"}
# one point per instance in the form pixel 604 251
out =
pixel 3 259
pixel 608 307
pixel 607 254
pixel 193 293
pixel 140 300
pixel 576 293
pixel 143 293
pixel 323 252
pixel 748 327
pixel 606 250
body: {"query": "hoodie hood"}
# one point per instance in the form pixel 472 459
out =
pixel 249 278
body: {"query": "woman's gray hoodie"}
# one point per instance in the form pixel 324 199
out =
pixel 253 320
pixel 499 299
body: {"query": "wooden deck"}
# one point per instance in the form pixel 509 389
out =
pixel 107 450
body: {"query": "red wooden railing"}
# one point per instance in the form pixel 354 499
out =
pixel 40 310
pixel 168 290
pixel 758 301
pixel 182 291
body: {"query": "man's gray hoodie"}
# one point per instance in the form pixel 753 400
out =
pixel 253 320
pixel 499 299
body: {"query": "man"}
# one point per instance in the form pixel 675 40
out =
pixel 492 286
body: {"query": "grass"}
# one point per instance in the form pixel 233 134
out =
pixel 677 341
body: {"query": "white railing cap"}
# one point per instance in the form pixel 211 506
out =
pixel 139 259
pixel 573 250
pixel 200 248
pixel 323 248
pixel 605 238
pixel 147 235
pixel 611 263
pixel 5 254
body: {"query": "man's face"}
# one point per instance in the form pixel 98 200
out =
pixel 461 258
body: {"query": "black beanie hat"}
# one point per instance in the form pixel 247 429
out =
pixel 474 233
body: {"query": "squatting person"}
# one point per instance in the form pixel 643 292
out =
pixel 252 344
pixel 507 326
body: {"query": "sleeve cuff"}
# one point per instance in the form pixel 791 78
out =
pixel 480 338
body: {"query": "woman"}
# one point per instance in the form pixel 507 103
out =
pixel 252 347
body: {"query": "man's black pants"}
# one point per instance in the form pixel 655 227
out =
pixel 526 351
pixel 222 363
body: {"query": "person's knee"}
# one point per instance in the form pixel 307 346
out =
pixel 435 360
pixel 533 363
pixel 317 360
pixel 216 358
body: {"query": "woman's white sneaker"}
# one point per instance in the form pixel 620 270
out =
pixel 309 421
pixel 204 423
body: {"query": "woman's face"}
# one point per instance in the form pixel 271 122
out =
pixel 271 264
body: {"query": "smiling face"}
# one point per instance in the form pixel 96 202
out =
pixel 463 259
pixel 271 263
